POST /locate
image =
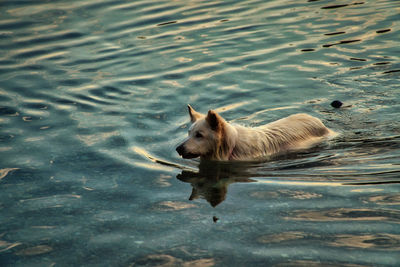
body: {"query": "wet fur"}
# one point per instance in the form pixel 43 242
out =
pixel 223 141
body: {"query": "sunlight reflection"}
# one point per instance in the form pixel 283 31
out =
pixel 385 199
pixel 233 106
pixel 37 250
pixel 158 164
pixel 153 166
pixel 255 114
pixel 92 139
pixel 375 241
pixel 5 171
pixel 366 190
pixel 346 214
pixel 300 183
pixel 281 237
pixel 173 206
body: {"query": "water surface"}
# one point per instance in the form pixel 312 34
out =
pixel 93 101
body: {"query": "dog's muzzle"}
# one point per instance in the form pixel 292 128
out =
pixel 182 152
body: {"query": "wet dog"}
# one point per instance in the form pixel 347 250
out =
pixel 212 138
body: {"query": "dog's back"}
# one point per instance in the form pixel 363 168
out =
pixel 298 126
pixel 298 131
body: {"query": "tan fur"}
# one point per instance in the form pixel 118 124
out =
pixel 212 138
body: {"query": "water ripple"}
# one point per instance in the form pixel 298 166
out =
pixel 347 214
pixel 93 101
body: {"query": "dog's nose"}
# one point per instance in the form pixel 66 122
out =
pixel 180 149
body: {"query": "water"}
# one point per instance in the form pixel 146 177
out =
pixel 93 101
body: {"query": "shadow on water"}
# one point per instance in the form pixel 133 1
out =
pixel 212 180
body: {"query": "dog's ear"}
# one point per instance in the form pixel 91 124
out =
pixel 194 115
pixel 214 120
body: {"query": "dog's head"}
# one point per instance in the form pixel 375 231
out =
pixel 208 138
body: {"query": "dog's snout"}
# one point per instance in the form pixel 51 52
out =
pixel 184 152
pixel 180 149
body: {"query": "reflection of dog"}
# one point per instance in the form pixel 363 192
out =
pixel 212 138
pixel 212 181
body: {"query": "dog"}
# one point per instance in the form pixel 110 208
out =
pixel 212 138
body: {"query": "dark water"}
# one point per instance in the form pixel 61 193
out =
pixel 93 101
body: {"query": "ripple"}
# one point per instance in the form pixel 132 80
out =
pixel 167 23
pixel 383 31
pixel 368 241
pixel 55 201
pixel 4 245
pixel 347 214
pixel 168 260
pixel 300 195
pixel 36 250
pixel 281 237
pixel 14 24
pixel 358 59
pixel 310 263
pixel 342 42
pixel 389 199
pixel 390 71
pixel 340 6
pixel 334 33
pixel 4 172
pixel 8 111
pixel 307 50
pixel 173 206
pixel 63 36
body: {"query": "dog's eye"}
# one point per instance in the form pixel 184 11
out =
pixel 199 135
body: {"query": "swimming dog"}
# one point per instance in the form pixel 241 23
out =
pixel 212 138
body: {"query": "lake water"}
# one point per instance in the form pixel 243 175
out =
pixel 93 99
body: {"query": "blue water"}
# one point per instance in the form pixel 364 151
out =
pixel 93 101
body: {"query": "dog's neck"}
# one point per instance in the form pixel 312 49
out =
pixel 232 138
pixel 244 147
